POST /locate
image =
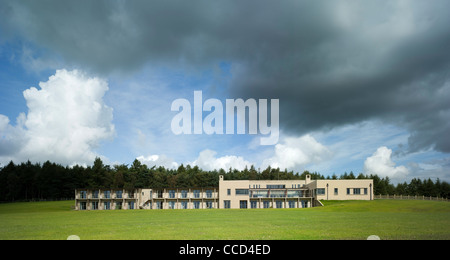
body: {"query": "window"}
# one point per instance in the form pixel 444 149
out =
pixel 226 204
pixel 292 204
pixel 95 194
pixel 241 191
pixel 276 186
pixel 336 191
pixel 260 194
pixel 279 204
pixel 94 205
pixel 209 194
pixel 294 193
pixel 348 191
pixel 83 205
pixel 228 192
pixel 243 204
pixel 365 191
pixel 304 203
pixel 184 205
pixel 184 194
pixel 107 205
pixel 196 194
pixel 83 194
pixel 209 204
pixel 171 194
pixel 320 191
pixel 357 191
pixel 253 204
pixel 171 204
pixel 118 205
pixel 266 204
pixel 131 205
pixel 107 194
pixel 196 204
pixel 119 194
pixel 277 194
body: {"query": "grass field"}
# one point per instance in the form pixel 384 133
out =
pixel 388 219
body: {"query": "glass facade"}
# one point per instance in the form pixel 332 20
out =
pixel 171 194
pixel 242 192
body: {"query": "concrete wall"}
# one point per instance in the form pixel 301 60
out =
pixel 229 193
pixel 342 189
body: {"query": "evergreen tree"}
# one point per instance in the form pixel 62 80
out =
pixel 28 181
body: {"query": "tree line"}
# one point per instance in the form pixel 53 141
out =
pixel 50 181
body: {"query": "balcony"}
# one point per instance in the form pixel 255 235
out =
pixel 185 194
pixel 279 193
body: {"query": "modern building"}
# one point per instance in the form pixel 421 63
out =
pixel 233 194
pixel 290 193
pixel 167 198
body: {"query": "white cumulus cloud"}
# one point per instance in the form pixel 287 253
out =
pixel 66 120
pixel 297 152
pixel 158 160
pixel 380 163
pixel 293 153
pixel 10 138
pixel 208 161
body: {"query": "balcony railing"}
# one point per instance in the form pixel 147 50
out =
pixel 89 194
pixel 193 194
pixel 279 193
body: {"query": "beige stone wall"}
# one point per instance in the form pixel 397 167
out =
pixel 343 189
pixel 230 196
pixel 227 192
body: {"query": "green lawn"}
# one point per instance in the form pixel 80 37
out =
pixel 389 219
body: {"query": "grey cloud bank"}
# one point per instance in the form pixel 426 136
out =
pixel 329 63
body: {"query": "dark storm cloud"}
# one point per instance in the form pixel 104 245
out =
pixel 329 62
pixel 122 35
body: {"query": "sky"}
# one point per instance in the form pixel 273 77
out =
pixel 361 86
